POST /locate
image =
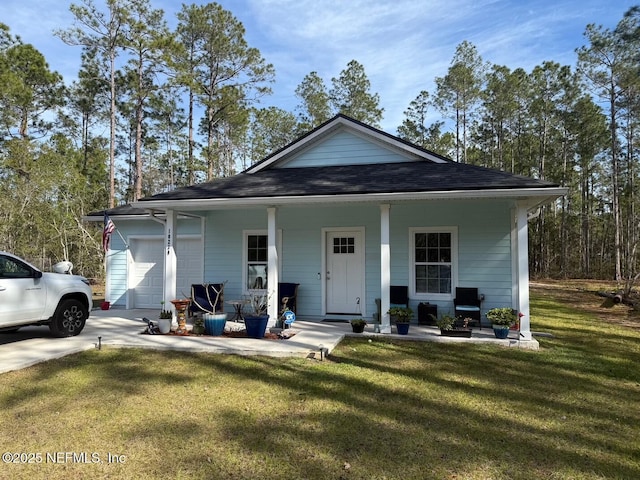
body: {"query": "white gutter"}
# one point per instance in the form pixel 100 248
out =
pixel 537 196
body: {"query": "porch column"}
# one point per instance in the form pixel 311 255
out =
pixel 272 267
pixel 170 259
pixel 385 269
pixel 523 271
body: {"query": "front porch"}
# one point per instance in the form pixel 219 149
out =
pixel 122 328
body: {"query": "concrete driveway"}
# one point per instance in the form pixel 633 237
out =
pixel 123 328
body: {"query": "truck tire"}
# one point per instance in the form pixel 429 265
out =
pixel 69 319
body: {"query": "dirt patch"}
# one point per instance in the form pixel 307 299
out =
pixel 583 295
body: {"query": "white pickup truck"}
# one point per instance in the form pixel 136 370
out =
pixel 31 297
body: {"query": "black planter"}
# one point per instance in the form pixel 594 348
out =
pixel 402 328
pixel 462 332
pixel 357 328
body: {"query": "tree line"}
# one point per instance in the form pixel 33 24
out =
pixel 155 108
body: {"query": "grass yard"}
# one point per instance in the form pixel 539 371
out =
pixel 372 410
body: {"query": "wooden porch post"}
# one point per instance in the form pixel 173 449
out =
pixel 523 271
pixel 385 269
pixel 170 259
pixel 272 267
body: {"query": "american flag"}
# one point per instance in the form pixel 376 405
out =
pixel 109 227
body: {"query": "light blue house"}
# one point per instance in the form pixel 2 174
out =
pixel 345 211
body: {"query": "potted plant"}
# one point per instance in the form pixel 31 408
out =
pixel 452 327
pixel 358 324
pixel 198 325
pixel 256 320
pixel 164 322
pixel 401 316
pixel 215 321
pixel 502 318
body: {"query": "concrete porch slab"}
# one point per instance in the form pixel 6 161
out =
pixel 123 328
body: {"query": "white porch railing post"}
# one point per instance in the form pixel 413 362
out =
pixel 170 259
pixel 272 267
pixel 523 272
pixel 385 269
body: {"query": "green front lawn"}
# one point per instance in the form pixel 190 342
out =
pixel 372 410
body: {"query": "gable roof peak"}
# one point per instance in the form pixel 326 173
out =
pixel 344 122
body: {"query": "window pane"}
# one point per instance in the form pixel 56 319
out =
pixel 432 255
pixel 445 255
pixel 445 240
pixel 432 240
pixel 445 271
pixel 421 240
pixel 257 276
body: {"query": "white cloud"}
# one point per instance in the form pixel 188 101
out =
pixel 404 44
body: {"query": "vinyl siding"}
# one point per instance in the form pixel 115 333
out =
pixel 345 148
pixel 484 248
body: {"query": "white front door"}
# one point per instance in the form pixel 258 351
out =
pixel 345 272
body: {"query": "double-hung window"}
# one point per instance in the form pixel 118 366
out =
pixel 256 253
pixel 433 262
pixel 255 259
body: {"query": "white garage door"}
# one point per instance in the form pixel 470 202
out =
pixel 146 274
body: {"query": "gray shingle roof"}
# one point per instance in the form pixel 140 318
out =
pixel 406 177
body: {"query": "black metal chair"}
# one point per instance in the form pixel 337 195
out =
pixel 207 298
pixel 399 295
pixel 288 296
pixel 467 304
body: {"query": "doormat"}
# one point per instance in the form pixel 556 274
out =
pixel 335 320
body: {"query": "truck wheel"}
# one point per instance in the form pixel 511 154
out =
pixel 69 319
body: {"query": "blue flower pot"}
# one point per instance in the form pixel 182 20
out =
pixel 501 331
pixel 256 326
pixel 403 328
pixel 214 324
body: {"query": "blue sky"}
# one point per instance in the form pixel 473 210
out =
pixel 402 44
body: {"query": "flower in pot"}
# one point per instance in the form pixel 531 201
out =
pixel 401 316
pixel 165 319
pixel 451 326
pixel 358 324
pixel 502 318
pixel 198 325
pixel 445 322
